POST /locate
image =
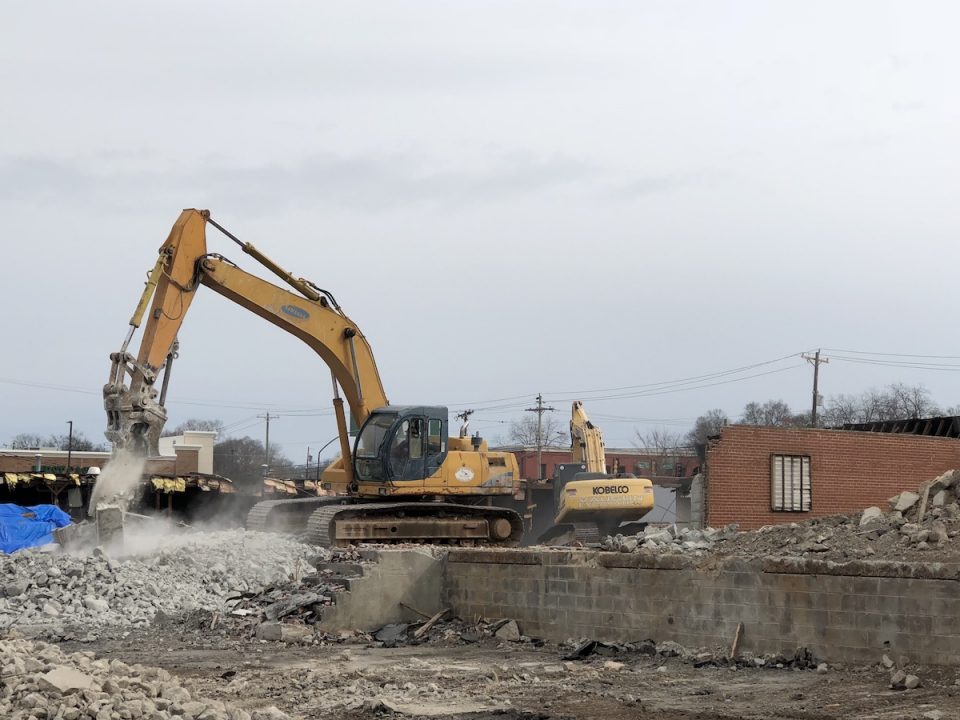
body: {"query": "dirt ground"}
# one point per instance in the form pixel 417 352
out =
pixel 355 681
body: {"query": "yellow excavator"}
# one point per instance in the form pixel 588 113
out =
pixel 405 479
pixel 590 502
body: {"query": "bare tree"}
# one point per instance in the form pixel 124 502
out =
pixel 196 424
pixel 896 402
pixel 26 441
pixel 663 445
pixel 79 442
pixel 552 432
pixel 773 412
pixel 707 425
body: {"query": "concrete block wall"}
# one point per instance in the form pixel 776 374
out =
pixel 848 470
pixel 843 613
pixel 388 587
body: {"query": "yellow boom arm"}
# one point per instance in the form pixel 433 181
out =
pixel 586 441
pixel 135 412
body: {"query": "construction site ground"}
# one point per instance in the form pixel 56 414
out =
pixel 353 680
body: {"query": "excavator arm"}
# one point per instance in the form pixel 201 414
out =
pixel 135 408
pixel 586 441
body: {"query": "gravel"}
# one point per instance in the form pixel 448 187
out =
pixel 60 595
pixel 40 681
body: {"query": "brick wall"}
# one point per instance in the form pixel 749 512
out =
pixel 849 612
pixel 848 470
pixel 680 465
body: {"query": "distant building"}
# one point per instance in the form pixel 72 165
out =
pixel 199 441
pixel 759 476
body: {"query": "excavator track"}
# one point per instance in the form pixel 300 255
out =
pixel 429 522
pixel 289 515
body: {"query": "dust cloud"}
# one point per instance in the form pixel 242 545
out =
pixel 118 482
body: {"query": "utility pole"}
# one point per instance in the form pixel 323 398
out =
pixel 540 410
pixel 70 446
pixel 816 361
pixel 266 445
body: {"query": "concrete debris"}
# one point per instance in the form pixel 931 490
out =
pixel 284 632
pixel 57 595
pixel 40 681
pixel 64 680
pixel 871 514
pixel 508 631
pixel 671 539
pixel 909 531
pixel 900 680
pixel 904 501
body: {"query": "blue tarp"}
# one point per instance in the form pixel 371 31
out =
pixel 22 527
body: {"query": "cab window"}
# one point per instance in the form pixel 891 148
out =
pixel 434 441
pixel 400 448
pixel 416 439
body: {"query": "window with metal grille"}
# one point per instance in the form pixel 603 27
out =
pixel 790 483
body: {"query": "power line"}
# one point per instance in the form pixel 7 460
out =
pixel 682 381
pixel 941 367
pixel 887 354
pixel 671 391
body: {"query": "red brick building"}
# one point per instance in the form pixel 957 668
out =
pixel 767 475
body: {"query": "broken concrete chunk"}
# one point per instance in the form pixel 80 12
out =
pixel 14 589
pixel 871 514
pixel 508 631
pixel 911 682
pixel 95 604
pixel 886 662
pixel 938 533
pixel 939 500
pixel 933 715
pixel 391 634
pixel 284 632
pixel 904 501
pixel 613 665
pixel 64 680
pixel 898 680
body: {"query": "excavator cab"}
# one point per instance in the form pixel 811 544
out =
pixel 401 444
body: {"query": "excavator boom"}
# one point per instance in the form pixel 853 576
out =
pixel 135 410
pixel 401 452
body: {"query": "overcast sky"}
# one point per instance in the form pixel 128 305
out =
pixel 507 197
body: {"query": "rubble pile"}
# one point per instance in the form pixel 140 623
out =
pixel 40 681
pixel 670 539
pixel 297 600
pixel 179 574
pixel 587 650
pixel 920 526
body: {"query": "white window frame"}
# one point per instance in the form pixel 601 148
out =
pixel 790 483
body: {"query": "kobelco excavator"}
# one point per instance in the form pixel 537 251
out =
pixel 589 501
pixel 404 479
